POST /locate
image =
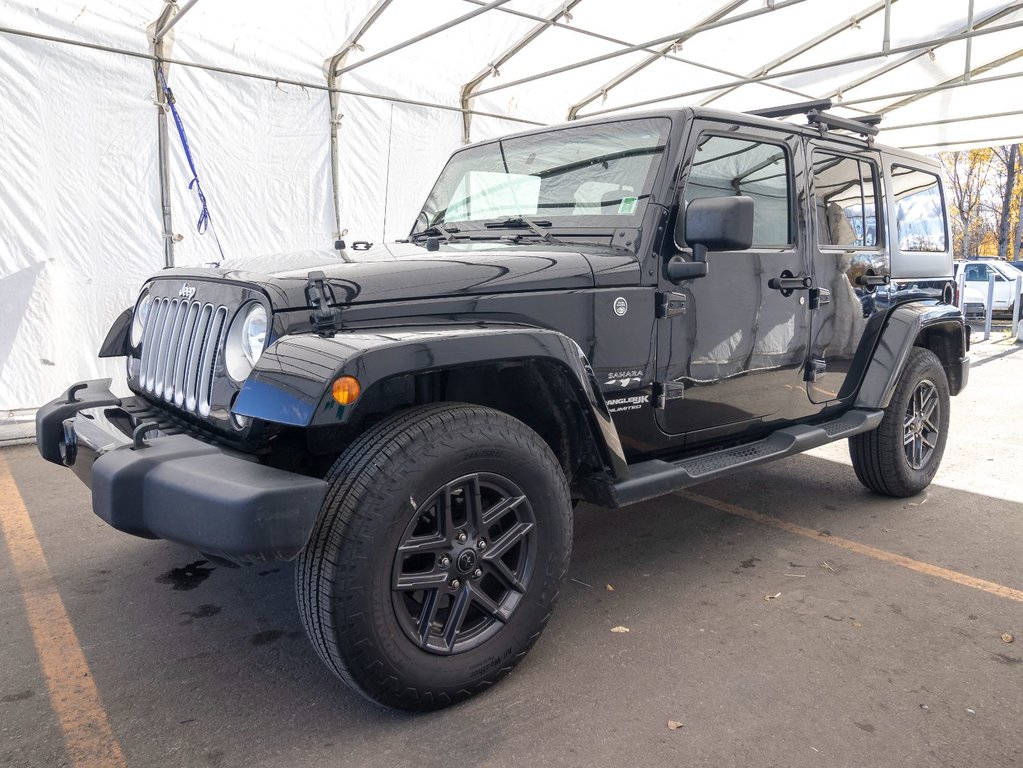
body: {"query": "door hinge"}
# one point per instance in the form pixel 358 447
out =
pixel 671 304
pixel 819 297
pixel 665 391
pixel 815 369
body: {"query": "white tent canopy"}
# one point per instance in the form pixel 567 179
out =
pixel 261 86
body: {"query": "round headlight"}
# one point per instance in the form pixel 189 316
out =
pixel 254 333
pixel 245 341
pixel 139 317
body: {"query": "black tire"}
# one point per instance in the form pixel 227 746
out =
pixel 353 587
pixel 884 460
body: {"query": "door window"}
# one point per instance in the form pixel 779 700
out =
pixel 726 166
pixel 844 204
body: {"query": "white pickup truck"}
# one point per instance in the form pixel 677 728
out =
pixel 976 284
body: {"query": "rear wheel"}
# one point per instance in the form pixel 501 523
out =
pixel 438 555
pixel 901 456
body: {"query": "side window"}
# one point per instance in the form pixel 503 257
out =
pixel 725 166
pixel 920 215
pixel 844 203
pixel 976 273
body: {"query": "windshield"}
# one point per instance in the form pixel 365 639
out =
pixel 596 174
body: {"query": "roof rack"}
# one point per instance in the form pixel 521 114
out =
pixel 816 114
pixel 865 126
pixel 787 110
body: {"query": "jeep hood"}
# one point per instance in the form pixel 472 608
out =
pixel 405 271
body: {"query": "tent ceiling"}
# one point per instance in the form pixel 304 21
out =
pixel 944 74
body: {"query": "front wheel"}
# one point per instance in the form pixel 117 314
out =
pixel 438 555
pixel 901 456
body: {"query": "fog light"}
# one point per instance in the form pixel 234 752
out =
pixel 346 390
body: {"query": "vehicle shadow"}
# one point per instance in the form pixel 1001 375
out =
pixel 210 664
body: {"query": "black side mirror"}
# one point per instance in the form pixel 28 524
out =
pixel 711 224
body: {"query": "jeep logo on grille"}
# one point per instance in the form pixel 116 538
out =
pixel 187 291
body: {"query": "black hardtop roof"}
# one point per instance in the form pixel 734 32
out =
pixel 740 118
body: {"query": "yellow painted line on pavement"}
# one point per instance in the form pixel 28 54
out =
pixel 88 738
pixel 861 549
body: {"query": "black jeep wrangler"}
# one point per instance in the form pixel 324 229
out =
pixel 605 311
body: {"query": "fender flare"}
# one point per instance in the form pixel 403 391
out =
pixel 904 325
pixel 291 382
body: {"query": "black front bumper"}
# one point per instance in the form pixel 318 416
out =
pixel 173 486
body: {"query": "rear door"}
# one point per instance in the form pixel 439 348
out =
pixel 850 261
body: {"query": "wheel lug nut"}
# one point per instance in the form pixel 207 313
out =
pixel 445 561
pixel 462 537
pixel 455 583
pixel 477 573
pixel 481 544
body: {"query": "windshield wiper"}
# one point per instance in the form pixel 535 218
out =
pixel 447 232
pixel 538 227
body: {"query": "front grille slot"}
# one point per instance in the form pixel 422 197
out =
pixel 180 348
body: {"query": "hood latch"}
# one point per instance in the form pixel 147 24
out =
pixel 324 318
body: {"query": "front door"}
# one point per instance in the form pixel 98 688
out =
pixel 731 356
pixel 850 263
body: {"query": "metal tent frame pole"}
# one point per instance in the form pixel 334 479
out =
pixel 948 121
pixel 853 21
pixel 165 28
pixel 575 29
pixel 337 65
pixel 920 46
pixel 638 67
pixel 331 67
pixel 468 89
pixel 163 24
pixel 963 79
pixel 913 56
pixel 643 46
pixel 420 37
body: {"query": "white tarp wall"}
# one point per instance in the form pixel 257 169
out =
pixel 80 219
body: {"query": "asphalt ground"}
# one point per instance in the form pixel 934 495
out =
pixel 880 643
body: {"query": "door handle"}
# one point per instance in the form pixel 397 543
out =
pixel 787 283
pixel 873 280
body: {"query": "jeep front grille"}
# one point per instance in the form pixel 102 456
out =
pixel 180 346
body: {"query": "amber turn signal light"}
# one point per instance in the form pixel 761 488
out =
pixel 346 390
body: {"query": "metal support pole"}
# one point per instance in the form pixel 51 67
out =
pixel 990 18
pixel 643 46
pixel 1017 298
pixel 809 45
pixel 923 45
pixel 601 92
pixel 886 43
pixel 163 30
pixel 159 42
pixel 990 308
pixel 469 88
pixel 428 33
pixel 330 67
pixel 969 42
pixel 961 290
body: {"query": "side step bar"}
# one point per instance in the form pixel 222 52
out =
pixel 649 479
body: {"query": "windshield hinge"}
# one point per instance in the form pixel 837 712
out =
pixel 671 304
pixel 324 318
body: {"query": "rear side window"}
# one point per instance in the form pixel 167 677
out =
pixel 920 215
pixel 844 201
pixel 723 167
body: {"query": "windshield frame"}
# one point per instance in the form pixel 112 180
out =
pixel 581 223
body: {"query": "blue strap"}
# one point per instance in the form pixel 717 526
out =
pixel 204 221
